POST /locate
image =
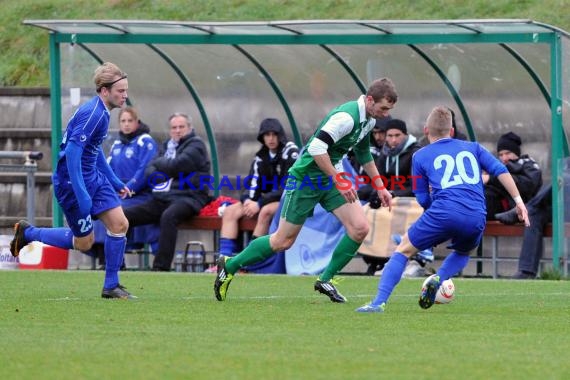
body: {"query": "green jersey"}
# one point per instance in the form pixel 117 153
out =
pixel 350 129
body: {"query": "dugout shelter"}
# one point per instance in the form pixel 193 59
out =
pixel 498 75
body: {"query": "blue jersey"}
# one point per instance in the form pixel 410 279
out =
pixel 87 128
pixel 450 170
pixel 448 185
pixel 130 159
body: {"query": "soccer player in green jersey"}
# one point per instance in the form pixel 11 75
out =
pixel 346 127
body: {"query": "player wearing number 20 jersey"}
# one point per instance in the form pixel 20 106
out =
pixel 452 169
pixel 449 188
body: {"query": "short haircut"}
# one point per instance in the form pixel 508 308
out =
pixel 181 114
pixel 383 88
pixel 438 122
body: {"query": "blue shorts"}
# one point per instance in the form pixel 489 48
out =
pixel 103 198
pixel 437 225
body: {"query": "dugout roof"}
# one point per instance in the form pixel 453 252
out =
pixel 499 75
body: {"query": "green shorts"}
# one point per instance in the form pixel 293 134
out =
pixel 299 203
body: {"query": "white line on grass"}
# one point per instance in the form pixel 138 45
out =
pixel 64 299
pixel 310 296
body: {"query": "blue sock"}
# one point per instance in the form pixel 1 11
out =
pixel 453 264
pixel 114 253
pixel 61 237
pixel 390 277
pixel 227 246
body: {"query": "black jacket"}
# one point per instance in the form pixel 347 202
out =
pixel 397 169
pixel 191 164
pixel 272 170
pixel 527 176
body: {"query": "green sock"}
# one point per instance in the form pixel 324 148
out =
pixel 258 250
pixel 342 254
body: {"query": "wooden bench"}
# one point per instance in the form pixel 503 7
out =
pixel 214 223
pixel 205 223
pixel 495 229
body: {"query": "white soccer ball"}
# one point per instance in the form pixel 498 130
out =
pixel 446 292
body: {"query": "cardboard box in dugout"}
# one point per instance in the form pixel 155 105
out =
pixel 37 255
pixel 7 261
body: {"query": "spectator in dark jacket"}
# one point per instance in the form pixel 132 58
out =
pixel 263 192
pixel 540 214
pixel 395 160
pixel 177 195
pixel 524 170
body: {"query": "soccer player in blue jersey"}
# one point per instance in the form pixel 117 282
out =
pixel 450 189
pixel 129 157
pixel 85 185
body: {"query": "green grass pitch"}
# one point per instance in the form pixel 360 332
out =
pixel 54 325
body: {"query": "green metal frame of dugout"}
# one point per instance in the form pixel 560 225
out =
pixel 499 75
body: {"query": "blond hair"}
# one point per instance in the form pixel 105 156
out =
pixel 438 122
pixel 107 75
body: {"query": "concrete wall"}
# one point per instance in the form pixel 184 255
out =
pixel 25 124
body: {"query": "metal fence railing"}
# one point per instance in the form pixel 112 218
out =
pixel 29 167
